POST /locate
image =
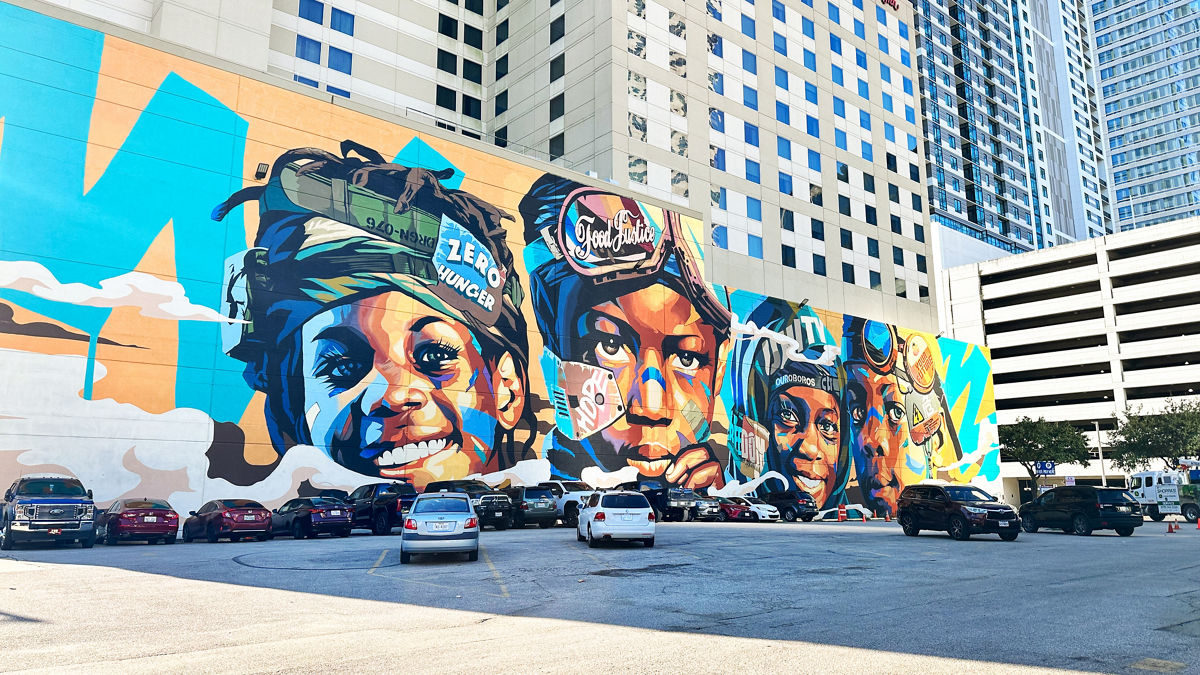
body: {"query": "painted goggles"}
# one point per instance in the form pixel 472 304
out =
pixel 885 351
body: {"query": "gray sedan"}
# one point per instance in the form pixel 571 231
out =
pixel 440 522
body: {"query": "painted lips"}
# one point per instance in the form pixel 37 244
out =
pixel 411 452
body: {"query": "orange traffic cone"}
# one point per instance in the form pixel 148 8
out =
pixel 887 516
pixel 1170 527
pixel 864 515
pixel 1198 524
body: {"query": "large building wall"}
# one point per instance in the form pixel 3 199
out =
pixel 384 303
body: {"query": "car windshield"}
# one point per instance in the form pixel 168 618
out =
pixel 441 505
pixel 722 500
pixel 624 502
pixel 56 487
pixel 146 504
pixel 239 504
pixel 538 493
pixel 683 492
pixel 754 500
pixel 1136 482
pixel 1114 497
pixel 968 494
pixel 575 486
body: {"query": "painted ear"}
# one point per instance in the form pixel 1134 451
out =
pixel 509 388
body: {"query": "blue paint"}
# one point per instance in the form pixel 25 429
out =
pixel 417 153
pixel 653 374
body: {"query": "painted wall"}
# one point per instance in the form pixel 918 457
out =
pixel 387 304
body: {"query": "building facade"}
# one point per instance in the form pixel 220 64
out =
pixel 792 127
pixel 1080 332
pixel 1147 54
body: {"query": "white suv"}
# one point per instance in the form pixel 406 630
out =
pixel 616 515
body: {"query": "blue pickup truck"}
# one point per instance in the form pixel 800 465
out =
pixel 45 508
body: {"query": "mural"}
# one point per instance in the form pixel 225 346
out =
pixel 384 305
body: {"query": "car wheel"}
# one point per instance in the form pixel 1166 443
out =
pixel 592 541
pixel 107 536
pixel 1029 524
pixel 187 536
pixel 1125 531
pixel 571 515
pixel 909 525
pixel 688 515
pixel 788 514
pixel 297 529
pixel 343 533
pixel 473 556
pixel 381 524
pixel 1009 536
pixel 504 523
pixel 754 516
pixel 6 540
pixel 89 541
pixel 1191 512
pixel 405 557
pixel 518 523
pixel 807 519
pixel 169 539
pixel 546 524
pixel 266 536
pixel 212 534
pixel 721 517
pixel 648 542
pixel 959 529
pixel 1157 515
pixel 1081 525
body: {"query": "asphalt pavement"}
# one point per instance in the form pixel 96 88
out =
pixel 709 598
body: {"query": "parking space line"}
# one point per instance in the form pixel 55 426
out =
pixel 379 562
pixel 495 573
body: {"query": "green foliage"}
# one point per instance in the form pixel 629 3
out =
pixel 1167 436
pixel 1030 441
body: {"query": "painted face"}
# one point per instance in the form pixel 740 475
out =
pixel 392 390
pixel 807 436
pixel 878 433
pixel 665 361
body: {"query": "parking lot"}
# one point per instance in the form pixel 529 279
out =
pixel 848 597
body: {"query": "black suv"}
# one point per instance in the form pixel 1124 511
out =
pixel 961 510
pixel 495 509
pixel 792 504
pixel 534 504
pixel 45 509
pixel 1083 508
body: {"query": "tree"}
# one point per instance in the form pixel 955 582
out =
pixel 1167 436
pixel 1028 442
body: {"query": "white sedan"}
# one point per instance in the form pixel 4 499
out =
pixel 609 516
pixel 758 507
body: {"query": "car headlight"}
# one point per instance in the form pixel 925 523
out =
pixel 25 512
pixel 974 509
pixel 88 511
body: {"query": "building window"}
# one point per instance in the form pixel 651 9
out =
pixel 472 36
pixel 308 49
pixel 678 63
pixel 869 182
pixel 896 227
pixel 783 147
pixel 558 106
pixel 558 28
pixel 750 97
pixel 751 134
pixel 342 22
pixel 847 239
pixel 340 60
pixel 676 24
pixel 749 62
pixel 501 32
pixel 754 208
pixel 787 219
pixel 636 85
pixel 337 91
pixel 871 216
pixel 679 143
pixel 447 62
pixel 476 6
pixel 472 72
pixel 876 281
pixel 502 137
pixel 448 26
pixel 848 273
pixel 636 44
pixel 783 113
pixel 716 157
pixel 502 66
pixel 924 293
pixel 843 205
pixel 313 10
pixel 558 67
pixel 747 26
pixel 637 127
pixel 306 80
pixel 679 184
pixel 898 256
pixel 785 183
pixel 921 263
pixel 843 172
pixel 636 8
pixel 901 288
pixel 919 233
pixel 501 103
pixel 788 255
pixel 472 107
pixel 893 193
pixel 557 144
pixel 818 264
pixel 678 103
pixel 446 98
pixel 818 229
pixel 754 246
pixel 872 247
pixel 637 170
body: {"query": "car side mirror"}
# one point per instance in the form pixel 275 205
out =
pixel 191 513
pixel 8 495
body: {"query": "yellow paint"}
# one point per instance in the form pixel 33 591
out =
pixel 379 561
pixel 495 573
pixel 1158 665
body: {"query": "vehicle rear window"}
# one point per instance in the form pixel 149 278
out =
pixel 575 486
pixel 53 487
pixel 538 493
pixel 1114 497
pixel 624 502
pixel 147 504
pixel 402 489
pixel 239 504
pixel 326 501
pixel 441 505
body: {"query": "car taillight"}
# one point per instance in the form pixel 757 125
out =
pixel 227 515
pixel 410 524
pixel 471 522
pixel 524 506
pixel 127 516
pixel 172 516
pixel 599 516
pixel 650 517
pixel 399 506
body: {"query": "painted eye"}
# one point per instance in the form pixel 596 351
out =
pixel 858 414
pixel 788 417
pixel 434 356
pixel 686 361
pixel 341 372
pixel 610 346
pixel 895 412
pixel 611 350
pixel 827 426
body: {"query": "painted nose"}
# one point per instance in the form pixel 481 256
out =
pixel 648 398
pixel 395 391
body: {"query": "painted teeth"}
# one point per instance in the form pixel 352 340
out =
pixel 411 452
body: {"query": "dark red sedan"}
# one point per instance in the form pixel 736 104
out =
pixel 150 520
pixel 230 519
pixel 733 511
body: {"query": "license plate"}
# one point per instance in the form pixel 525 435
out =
pixel 55 531
pixel 441 527
pixel 150 519
pixel 335 513
pixel 499 513
pixel 1123 508
pixel 1005 523
pixel 626 517
pixel 248 517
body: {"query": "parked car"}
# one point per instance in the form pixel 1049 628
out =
pixel 758 508
pixel 731 510
pixel 308 517
pixel 707 508
pixel 150 520
pixel 568 495
pixel 960 510
pixel 474 489
pixel 230 519
pixel 792 504
pixel 533 505
pixel 46 508
pixel 495 509
pixel 668 503
pixel 608 516
pixel 440 522
pixel 1082 509
pixel 379 507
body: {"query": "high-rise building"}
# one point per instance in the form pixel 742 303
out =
pixel 1150 88
pixel 1014 152
pixel 792 126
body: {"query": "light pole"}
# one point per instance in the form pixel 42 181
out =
pixel 1100 451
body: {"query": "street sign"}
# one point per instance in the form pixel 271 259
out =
pixel 1168 499
pixel 1043 468
pixel 1070 480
